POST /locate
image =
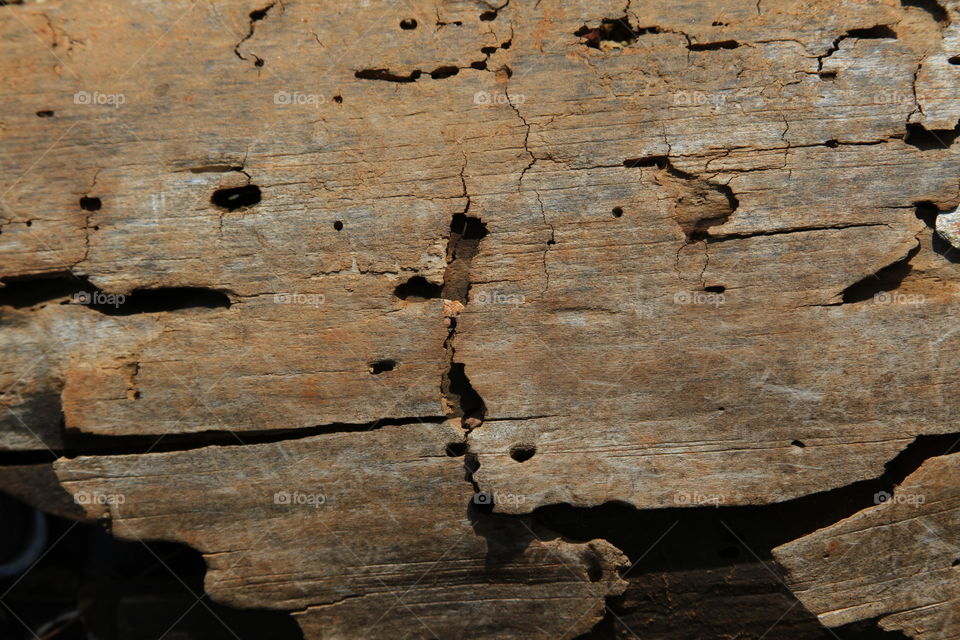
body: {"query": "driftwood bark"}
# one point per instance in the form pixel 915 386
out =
pixel 419 319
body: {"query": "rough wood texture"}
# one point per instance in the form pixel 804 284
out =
pixel 898 561
pixel 362 534
pixel 434 254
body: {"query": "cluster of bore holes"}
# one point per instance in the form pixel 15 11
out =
pixel 409 24
pixel 379 366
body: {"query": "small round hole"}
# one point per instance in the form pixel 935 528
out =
pixel 522 453
pixel 378 367
pixel 29 223
pixel 258 63
pixel 338 225
pixel 408 24
pixel 90 204
pixel 338 99
pixel 617 212
pixel 487 16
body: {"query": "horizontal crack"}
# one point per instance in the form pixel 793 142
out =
pixel 80 443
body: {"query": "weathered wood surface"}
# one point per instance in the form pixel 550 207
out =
pixel 681 257
pixel 897 561
pixel 362 534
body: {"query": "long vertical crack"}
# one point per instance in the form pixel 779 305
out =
pixel 459 399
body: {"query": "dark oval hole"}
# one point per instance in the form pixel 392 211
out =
pixel 408 24
pixel 444 72
pixel 338 225
pixel 90 204
pixel 715 289
pixel 46 113
pixel 163 299
pixel 418 287
pixel 487 16
pixel 522 452
pixel 798 443
pixel 617 212
pixel 236 197
pixel 380 366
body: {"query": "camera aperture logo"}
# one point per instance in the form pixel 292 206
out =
pixel 95 497
pixel 483 498
pixel 99 298
pixel 101 99
pixel 914 499
pixel 698 98
pixel 485 98
pixel 698 499
pixel 894 297
pixel 298 98
pixel 496 297
pixel 708 298
pixel 299 499
pixel 311 299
